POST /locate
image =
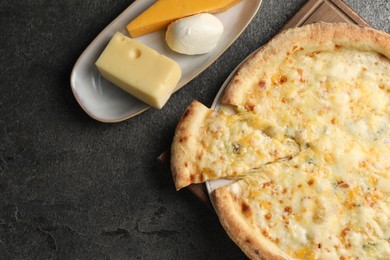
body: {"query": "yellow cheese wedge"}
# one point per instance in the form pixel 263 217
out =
pixel 163 12
pixel 139 70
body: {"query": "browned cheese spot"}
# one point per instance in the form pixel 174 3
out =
pixel 245 209
pixel 249 106
pixel 314 53
pixel 371 198
pixel 344 232
pixel 267 184
pixel 274 153
pixel 262 84
pixel 287 209
pixel 342 184
pixel 298 111
pixel 283 79
pixel 300 73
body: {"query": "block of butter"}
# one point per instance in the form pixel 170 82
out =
pixel 139 70
pixel 159 15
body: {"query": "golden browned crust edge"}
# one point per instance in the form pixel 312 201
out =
pixel 251 242
pixel 316 36
pixel 185 144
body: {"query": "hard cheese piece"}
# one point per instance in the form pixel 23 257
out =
pixel 139 70
pixel 163 12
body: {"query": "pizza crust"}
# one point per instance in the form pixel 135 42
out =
pixel 234 215
pixel 184 146
pixel 314 37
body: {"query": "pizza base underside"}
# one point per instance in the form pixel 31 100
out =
pixel 316 113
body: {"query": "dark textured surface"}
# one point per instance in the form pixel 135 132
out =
pixel 74 188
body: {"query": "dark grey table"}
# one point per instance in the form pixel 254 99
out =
pixel 75 188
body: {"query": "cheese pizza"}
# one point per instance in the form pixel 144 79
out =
pixel 307 148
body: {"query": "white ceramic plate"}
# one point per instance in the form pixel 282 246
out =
pixel 107 103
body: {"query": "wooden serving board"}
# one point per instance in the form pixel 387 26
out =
pixel 331 11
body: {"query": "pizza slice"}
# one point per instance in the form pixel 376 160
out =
pixel 211 144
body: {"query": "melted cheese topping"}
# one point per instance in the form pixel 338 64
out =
pixel 312 211
pixel 331 200
pixel 233 144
